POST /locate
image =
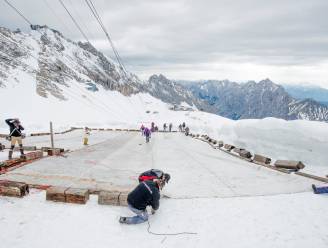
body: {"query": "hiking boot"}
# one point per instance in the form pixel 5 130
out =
pixel 314 189
pixel 122 220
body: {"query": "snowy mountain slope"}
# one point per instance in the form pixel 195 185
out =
pixel 171 92
pixel 74 99
pixel 54 60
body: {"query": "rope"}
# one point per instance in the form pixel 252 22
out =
pixel 97 17
pixel 73 19
pixel 168 234
pixel 18 12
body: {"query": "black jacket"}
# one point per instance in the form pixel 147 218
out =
pixel 15 131
pixel 145 194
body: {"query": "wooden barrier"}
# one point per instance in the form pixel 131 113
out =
pixel 108 198
pixel 245 154
pixel 322 179
pixel 228 147
pixel 123 199
pixel 56 194
pixel 54 152
pixel 33 155
pixel 78 196
pixel 26 148
pixel 15 189
pixel 261 159
pixel 69 195
pixel 113 198
pixel 289 164
pixel 39 134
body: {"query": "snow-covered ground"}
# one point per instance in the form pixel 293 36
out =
pixel 289 221
pixel 226 201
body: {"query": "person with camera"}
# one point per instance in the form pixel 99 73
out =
pixel 15 136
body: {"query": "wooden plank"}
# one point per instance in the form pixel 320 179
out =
pixel 245 154
pixel 56 194
pixel 76 195
pixel 123 199
pixel 54 152
pixel 228 147
pixel 33 155
pixel 14 189
pixel 108 198
pixel 321 179
pixel 289 164
pixel 261 159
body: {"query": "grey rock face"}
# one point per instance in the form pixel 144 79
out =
pixel 171 92
pixel 59 60
pixel 256 100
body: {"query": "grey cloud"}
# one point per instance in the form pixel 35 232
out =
pixel 179 32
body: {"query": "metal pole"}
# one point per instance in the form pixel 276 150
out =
pixel 52 136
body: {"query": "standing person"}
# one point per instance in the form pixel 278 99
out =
pixel 183 126
pixel 180 127
pixel 142 128
pixel 15 135
pixel 164 127
pixel 147 134
pixel 187 131
pixel 170 127
pixel 86 136
pixel 147 193
pixel 152 128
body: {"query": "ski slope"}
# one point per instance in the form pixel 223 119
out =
pixel 226 201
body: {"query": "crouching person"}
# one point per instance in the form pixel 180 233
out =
pixel 147 193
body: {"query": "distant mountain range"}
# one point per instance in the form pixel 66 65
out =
pixel 312 92
pixel 55 63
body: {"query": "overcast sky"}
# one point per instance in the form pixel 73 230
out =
pixel 284 40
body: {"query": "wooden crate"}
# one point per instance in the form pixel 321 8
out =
pixel 54 152
pixel 229 147
pixel 108 198
pixel 76 195
pixel 261 159
pixel 245 154
pixel 123 199
pixel 33 155
pixel 14 189
pixel 289 164
pixel 56 194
